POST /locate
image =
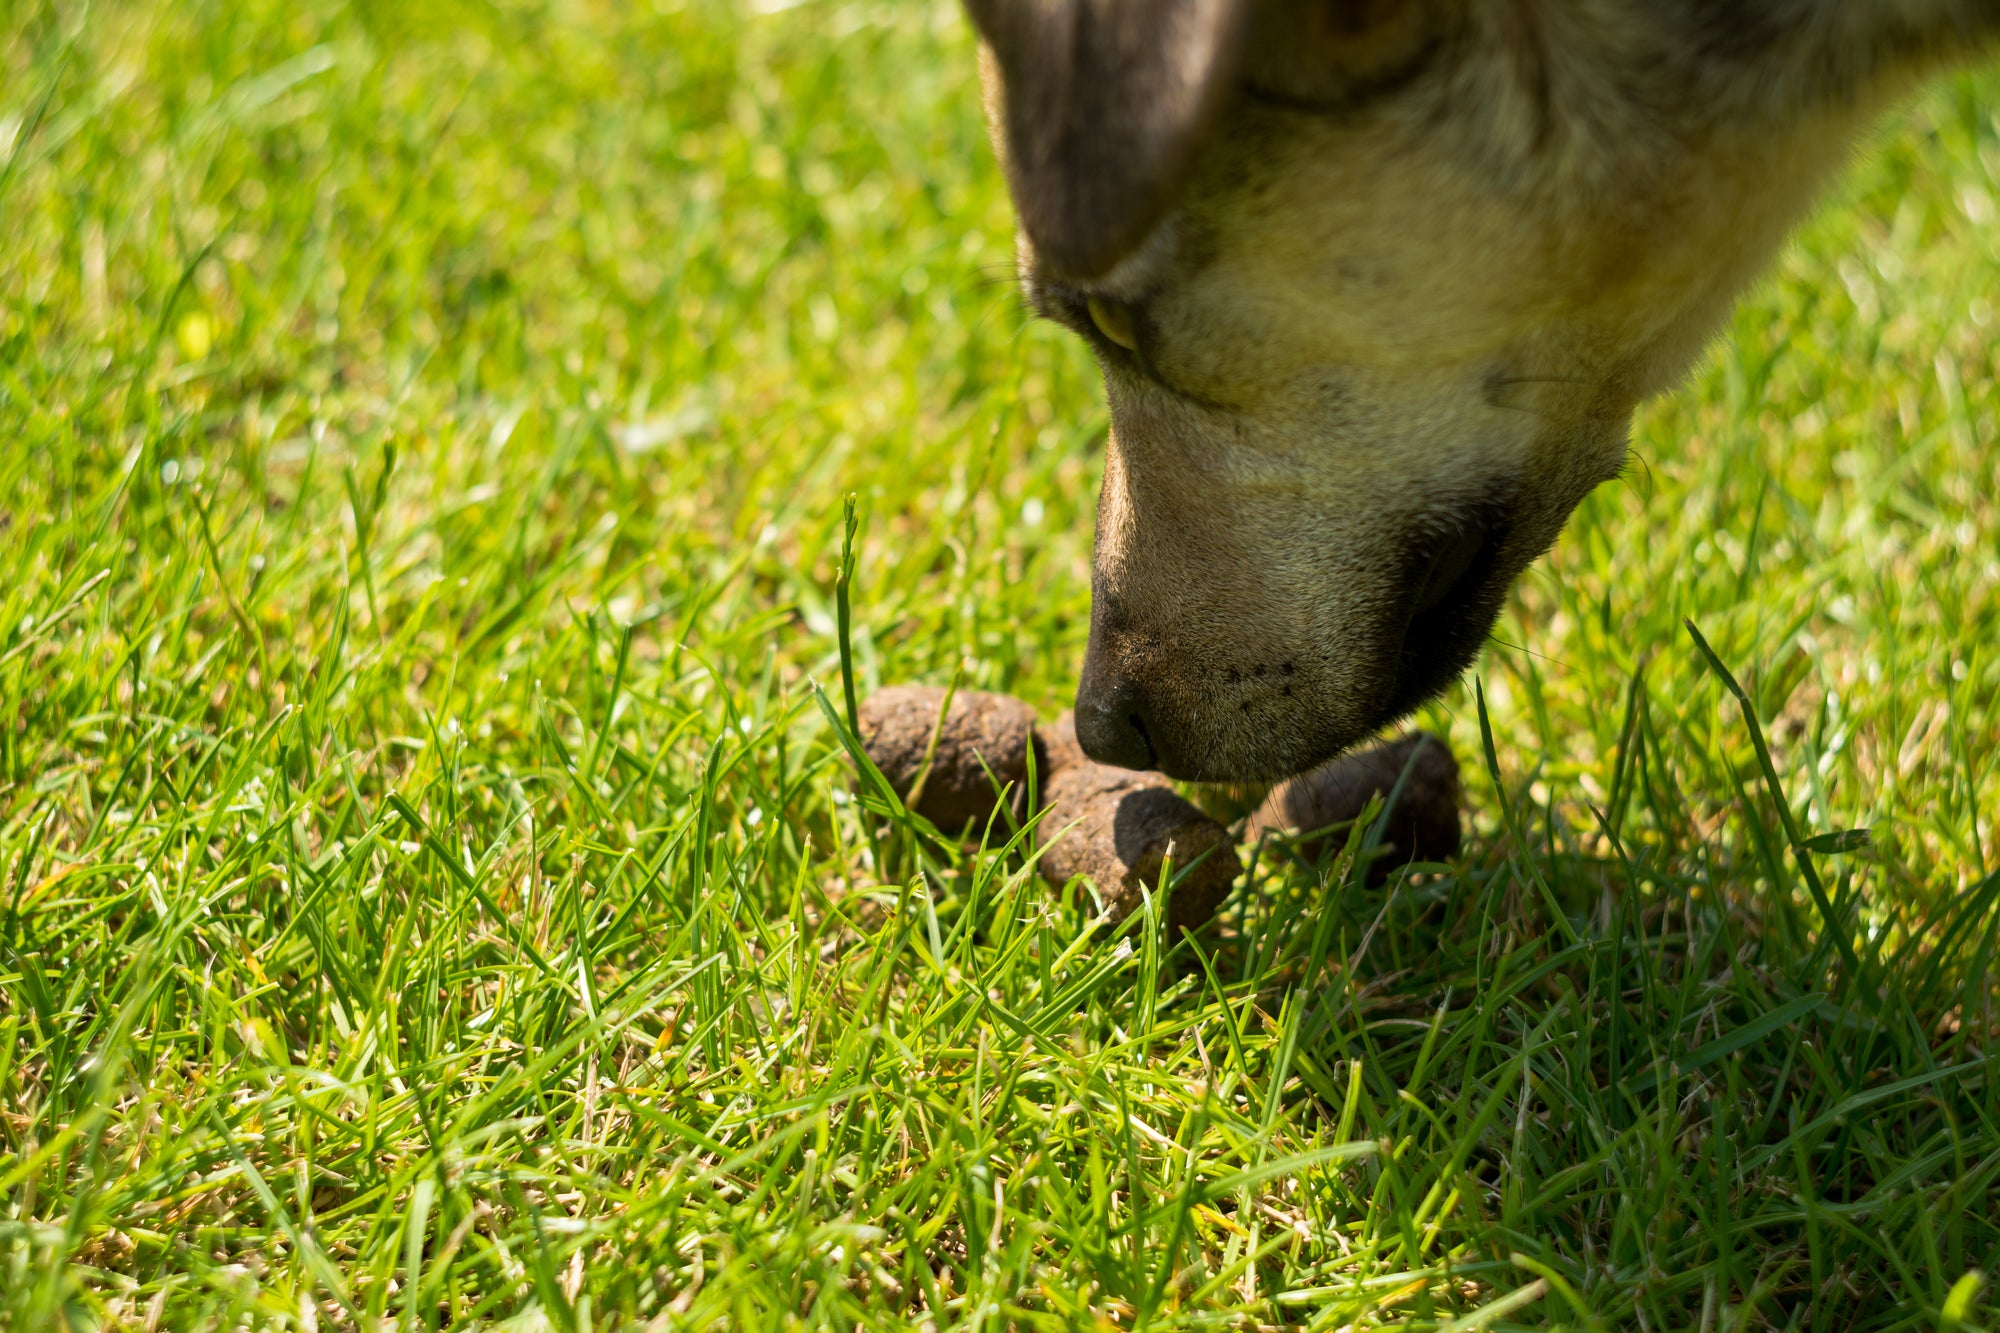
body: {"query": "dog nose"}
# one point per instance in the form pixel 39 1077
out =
pixel 1113 725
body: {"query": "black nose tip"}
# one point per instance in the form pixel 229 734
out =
pixel 1113 727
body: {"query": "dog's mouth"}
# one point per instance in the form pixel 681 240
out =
pixel 1449 563
pixel 1458 581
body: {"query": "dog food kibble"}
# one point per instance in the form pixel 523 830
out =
pixel 984 741
pixel 1118 827
pixel 1422 826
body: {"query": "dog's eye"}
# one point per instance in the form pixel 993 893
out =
pixel 1114 320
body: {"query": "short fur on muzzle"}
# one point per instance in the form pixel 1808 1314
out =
pixel 1375 287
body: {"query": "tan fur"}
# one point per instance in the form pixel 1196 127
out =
pixel 1386 302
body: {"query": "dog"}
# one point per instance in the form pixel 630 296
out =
pixel 1375 286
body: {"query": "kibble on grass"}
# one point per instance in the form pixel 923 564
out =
pixel 955 755
pixel 950 770
pixel 1121 829
pixel 952 757
pixel 1423 818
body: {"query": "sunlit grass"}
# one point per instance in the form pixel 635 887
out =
pixel 430 893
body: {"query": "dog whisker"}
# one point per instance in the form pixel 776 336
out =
pixel 998 274
pixel 1523 649
pixel 1523 407
pixel 1634 460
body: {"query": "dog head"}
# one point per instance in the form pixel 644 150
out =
pixel 1375 288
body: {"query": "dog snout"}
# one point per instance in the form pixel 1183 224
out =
pixel 1120 719
pixel 1114 723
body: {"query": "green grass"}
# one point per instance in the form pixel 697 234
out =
pixel 431 895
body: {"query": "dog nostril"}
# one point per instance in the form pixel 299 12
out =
pixel 1114 729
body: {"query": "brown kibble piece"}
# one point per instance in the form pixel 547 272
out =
pixel 1117 826
pixel 1057 748
pixel 984 741
pixel 1423 826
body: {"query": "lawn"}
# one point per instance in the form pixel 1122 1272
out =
pixel 433 895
